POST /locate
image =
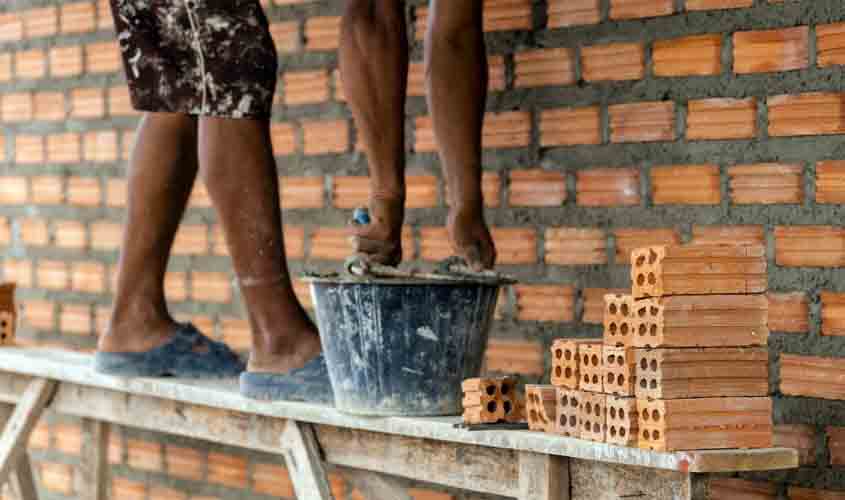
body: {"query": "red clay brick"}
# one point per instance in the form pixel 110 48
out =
pixel 29 149
pixel 628 239
pixel 68 438
pixel 102 57
pixel 632 9
pixel 120 103
pixel 31 64
pixel 322 33
pixel 608 187
pixel 65 61
pixel 16 107
pixel 78 17
pixel 567 246
pixel 728 235
pixel 64 148
pixel 13 190
pixel 812 376
pixel 425 494
pixel 106 235
pixel 766 183
pixel 709 119
pixel 325 136
pixel 563 13
pixel 286 36
pixel 686 185
pixel 88 277
pixel 40 22
pixel 771 50
pixel 836 445
pixel 5 67
pixel 594 304
pixel 570 126
pixel 100 146
pixel 283 136
pixel 354 191
pixel 105 21
pixel 491 187
pixel 125 489
pixel 515 356
pixel 537 188
pixel 39 314
pixel 84 191
pixel 75 319
pixel 175 286
pixel 506 130
pixel 830 44
pixel 116 192
pixel 833 313
pixel 52 275
pixel 613 61
pixel 789 312
pixel 210 287
pixel 87 103
pixel 184 463
pixel 272 480
pixel 800 437
pixel 830 181
pixel 809 246
pixel 301 192
pixel 191 239
pixel 541 67
pixel 545 302
pixel 11 27
pixel 56 477
pixel 5 231
pixel 642 122
pixel 144 455
pixel 40 437
pixel 33 231
pixel 729 488
pixel 718 4
pixel 227 470
pixel 306 87
pixel 796 493
pixel 19 271
pixel 161 493
pixel 330 243
pixel 515 245
pixel 499 15
pixel 70 234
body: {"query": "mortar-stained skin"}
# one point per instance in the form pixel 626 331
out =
pixel 200 57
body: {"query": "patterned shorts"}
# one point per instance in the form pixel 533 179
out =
pixel 200 57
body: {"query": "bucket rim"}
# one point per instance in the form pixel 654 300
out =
pixel 369 280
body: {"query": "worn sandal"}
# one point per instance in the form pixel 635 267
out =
pixel 309 384
pixel 189 354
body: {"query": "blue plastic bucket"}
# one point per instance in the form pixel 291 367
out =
pixel 402 347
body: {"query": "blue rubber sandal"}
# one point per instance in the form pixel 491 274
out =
pixel 190 354
pixel 309 384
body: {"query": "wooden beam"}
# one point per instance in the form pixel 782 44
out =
pixel 543 477
pixel 94 468
pixel 305 465
pixel 15 437
pixel 25 479
pixel 373 485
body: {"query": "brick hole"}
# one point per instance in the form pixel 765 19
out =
pixel 640 260
pixel 644 364
pixel 624 329
pixel 564 400
pixel 535 398
pixel 586 359
pixel 621 380
pixel 653 365
pixel 655 415
pixel 652 384
pixel 620 361
pixel 595 360
pixel 559 353
pixel 646 434
pixel 595 379
pixel 621 413
pixel 656 435
pixel 651 279
pixel 597 410
pixel 505 389
pixel 611 358
pixel 587 426
pixel 562 420
pixel 652 256
pixel 610 378
pixel 612 431
pixel 654 310
pixel 653 330
pixel 613 328
pixel 532 416
pixel 567 355
pixel 586 378
pixel 568 372
pixel 508 407
pixel 645 415
pixel 596 428
pixel 643 329
pixel 572 421
pixel 641 312
pixel 643 383
pixel 491 407
pixel 641 279
pixel 625 310
pixel 558 371
pixel 574 402
pixel 612 412
pixel 622 432
pixel 612 308
pixel 491 389
pixel 589 408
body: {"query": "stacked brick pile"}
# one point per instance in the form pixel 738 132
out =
pixel 682 363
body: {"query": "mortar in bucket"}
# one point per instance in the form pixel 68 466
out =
pixel 401 345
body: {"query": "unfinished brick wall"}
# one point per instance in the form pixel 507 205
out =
pixel 612 124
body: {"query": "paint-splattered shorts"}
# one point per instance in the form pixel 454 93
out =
pixel 200 57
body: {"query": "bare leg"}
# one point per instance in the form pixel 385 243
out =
pixel 162 171
pixel 239 170
pixel 374 64
pixel 456 79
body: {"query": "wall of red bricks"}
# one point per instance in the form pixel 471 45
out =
pixel 611 124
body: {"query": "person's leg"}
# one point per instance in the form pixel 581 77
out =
pixel 456 80
pixel 161 173
pixel 374 64
pixel 237 165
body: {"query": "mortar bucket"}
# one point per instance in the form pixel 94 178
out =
pixel 402 347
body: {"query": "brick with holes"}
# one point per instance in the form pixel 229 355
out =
pixel 702 373
pixel 622 421
pixel 592 416
pixel 618 320
pixel 705 423
pixel 8 314
pixel 509 399
pixel 618 370
pixel 541 407
pixel 590 367
pixel 482 401
pixel 566 415
pixel 701 321
pixel 566 363
pixel 698 270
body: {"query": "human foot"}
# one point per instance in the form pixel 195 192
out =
pixel 380 240
pixel 471 238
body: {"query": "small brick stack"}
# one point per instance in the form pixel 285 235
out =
pixel 8 314
pixel 682 363
pixel 491 400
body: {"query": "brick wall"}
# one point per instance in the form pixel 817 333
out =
pixel 611 124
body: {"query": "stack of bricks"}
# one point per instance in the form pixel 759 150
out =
pixel 491 400
pixel 8 314
pixel 682 363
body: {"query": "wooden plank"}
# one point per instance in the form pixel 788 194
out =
pixel 305 466
pixel 16 433
pixel 602 481
pixel 25 479
pixel 543 477
pixel 94 468
pixel 373 485
pixel 194 408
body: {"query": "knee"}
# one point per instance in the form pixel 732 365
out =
pixel 371 17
